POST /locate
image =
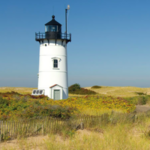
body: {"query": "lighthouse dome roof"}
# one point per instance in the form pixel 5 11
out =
pixel 53 22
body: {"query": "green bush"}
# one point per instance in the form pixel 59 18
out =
pixel 83 91
pixel 139 100
pixel 140 93
pixel 142 100
pixel 96 87
pixel 76 89
pixel 3 102
pixel 55 111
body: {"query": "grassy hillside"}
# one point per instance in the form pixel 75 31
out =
pixel 120 91
pixel 105 90
pixel 115 133
pixel 109 123
pixel 21 90
pixel 120 137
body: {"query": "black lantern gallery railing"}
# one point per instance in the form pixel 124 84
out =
pixel 52 35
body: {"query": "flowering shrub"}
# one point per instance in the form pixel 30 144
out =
pixel 99 102
pixel 15 106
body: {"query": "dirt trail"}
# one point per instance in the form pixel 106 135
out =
pixel 142 108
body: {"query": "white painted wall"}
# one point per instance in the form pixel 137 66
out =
pixel 49 76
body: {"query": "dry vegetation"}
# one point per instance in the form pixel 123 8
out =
pixel 21 90
pixel 120 91
pixel 105 90
pixel 119 137
pixel 119 131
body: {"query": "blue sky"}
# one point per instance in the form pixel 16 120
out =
pixel 110 41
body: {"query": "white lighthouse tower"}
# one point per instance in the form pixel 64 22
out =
pixel 53 70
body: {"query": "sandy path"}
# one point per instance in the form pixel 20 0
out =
pixel 142 108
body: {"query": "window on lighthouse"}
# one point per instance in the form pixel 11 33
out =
pixel 55 63
pixel 53 28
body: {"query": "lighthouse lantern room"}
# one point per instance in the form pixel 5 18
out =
pixel 53 71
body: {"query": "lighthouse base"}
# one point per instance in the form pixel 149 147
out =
pixel 55 92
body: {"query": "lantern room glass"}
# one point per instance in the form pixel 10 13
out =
pixel 51 28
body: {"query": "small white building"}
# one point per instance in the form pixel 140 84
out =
pixel 53 70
